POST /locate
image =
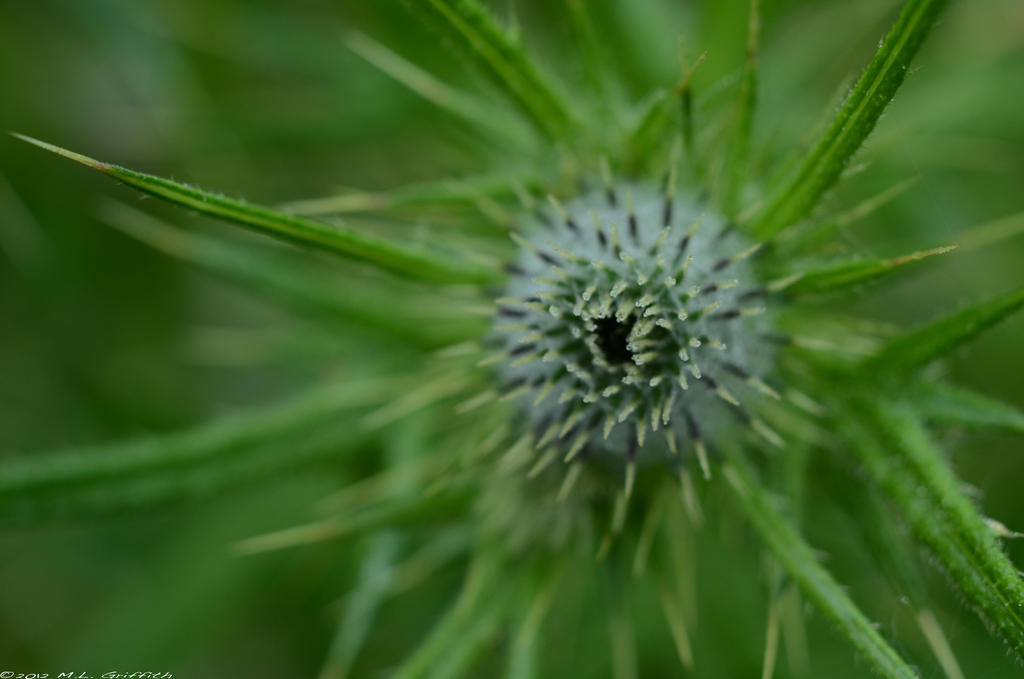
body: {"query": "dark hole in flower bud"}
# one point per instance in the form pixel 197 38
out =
pixel 613 339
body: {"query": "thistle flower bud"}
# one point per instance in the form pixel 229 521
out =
pixel 633 326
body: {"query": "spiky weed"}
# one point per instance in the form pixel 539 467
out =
pixel 638 333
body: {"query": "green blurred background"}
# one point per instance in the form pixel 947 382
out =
pixel 103 339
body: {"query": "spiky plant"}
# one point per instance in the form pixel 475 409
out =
pixel 644 326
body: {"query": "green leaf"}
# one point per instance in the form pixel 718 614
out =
pixel 685 93
pixel 888 546
pixel 621 634
pixel 470 645
pixel 936 339
pixel 446 193
pixel 377 573
pixel 842 275
pixel 817 584
pixel 954 405
pixel 740 151
pixel 407 261
pixel 446 546
pixel 648 134
pixel 159 486
pixel 816 235
pixel 594 60
pixel 23 475
pixel 476 610
pixel 362 603
pixel 886 542
pixel 992 232
pixel 536 601
pixel 503 59
pixel 899 457
pixel 388 513
pixel 459 104
pixel 853 122
pixel 423 322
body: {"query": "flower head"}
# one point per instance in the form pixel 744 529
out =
pixel 629 310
